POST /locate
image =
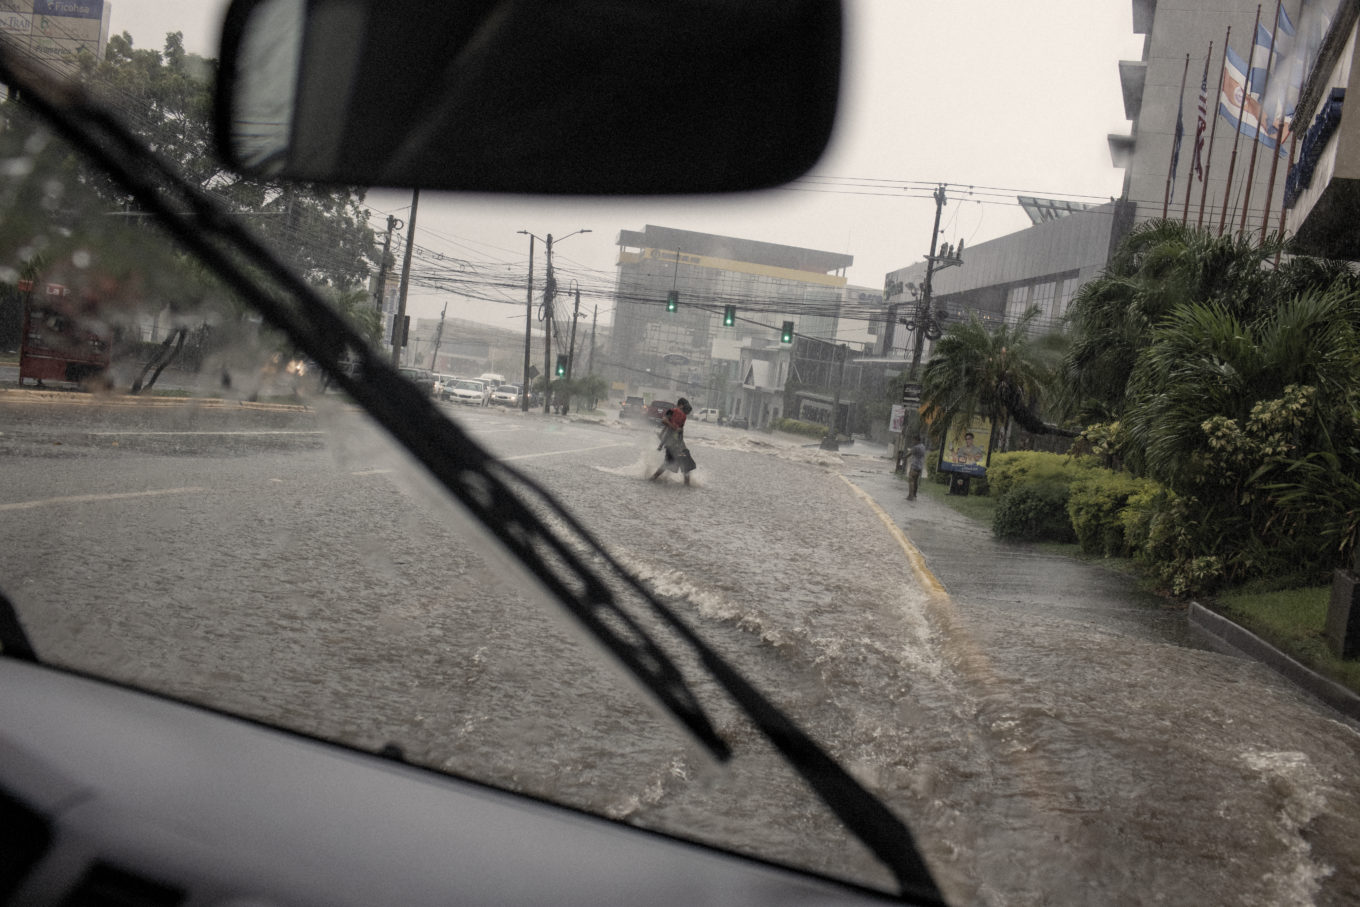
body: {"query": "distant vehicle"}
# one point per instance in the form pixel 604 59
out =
pixel 632 406
pixel 656 410
pixel 708 414
pixel 421 376
pixel 468 390
pixel 739 422
pixel 506 395
pixel 492 379
pixel 442 383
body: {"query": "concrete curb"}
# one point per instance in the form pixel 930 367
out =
pixel 1232 639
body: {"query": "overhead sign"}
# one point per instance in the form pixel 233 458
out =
pixel 57 31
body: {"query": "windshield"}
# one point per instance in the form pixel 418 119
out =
pixel 1031 428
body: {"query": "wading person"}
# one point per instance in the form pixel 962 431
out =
pixel 916 464
pixel 672 440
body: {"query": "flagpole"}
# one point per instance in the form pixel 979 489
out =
pixel 1256 138
pixel 1237 133
pixel 1293 146
pixel 1199 134
pixel 1279 146
pixel 1213 131
pixel 1176 141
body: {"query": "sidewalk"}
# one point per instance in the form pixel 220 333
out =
pixel 974 566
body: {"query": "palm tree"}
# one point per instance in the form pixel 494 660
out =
pixel 1160 266
pixel 997 372
pixel 1205 362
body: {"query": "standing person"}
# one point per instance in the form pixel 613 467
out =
pixel 673 441
pixel 916 464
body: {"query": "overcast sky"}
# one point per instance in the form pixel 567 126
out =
pixel 1012 95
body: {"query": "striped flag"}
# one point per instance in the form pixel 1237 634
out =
pixel 1201 123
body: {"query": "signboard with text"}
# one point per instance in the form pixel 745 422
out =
pixel 57 31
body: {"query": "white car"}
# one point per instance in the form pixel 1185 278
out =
pixel 442 383
pixel 467 390
pixel 706 415
pixel 506 395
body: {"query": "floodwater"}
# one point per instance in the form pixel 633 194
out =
pixel 1040 757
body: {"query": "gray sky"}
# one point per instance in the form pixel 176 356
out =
pixel 1011 95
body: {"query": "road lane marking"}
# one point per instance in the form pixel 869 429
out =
pixel 553 453
pixel 95 498
pixel 914 556
pixel 251 433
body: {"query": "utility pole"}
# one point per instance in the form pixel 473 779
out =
pixel 549 291
pixel 571 344
pixel 927 324
pixel 399 325
pixel 528 326
pixel 392 223
pixel 590 360
pixel 830 442
pixel 438 335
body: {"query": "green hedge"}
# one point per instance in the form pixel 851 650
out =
pixel 1008 470
pixel 797 427
pixel 1032 492
pixel 1095 506
pixel 1034 511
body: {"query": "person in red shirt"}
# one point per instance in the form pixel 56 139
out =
pixel 673 441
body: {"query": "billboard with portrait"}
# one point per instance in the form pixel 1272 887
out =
pixel 965 446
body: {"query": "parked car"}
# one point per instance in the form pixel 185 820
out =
pixel 468 390
pixel 709 414
pixel 632 406
pixel 656 410
pixel 506 395
pixel 739 422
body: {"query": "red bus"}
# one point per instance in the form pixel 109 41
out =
pixel 59 343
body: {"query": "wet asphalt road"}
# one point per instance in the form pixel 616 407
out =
pixel 1051 738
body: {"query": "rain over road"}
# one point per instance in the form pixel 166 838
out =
pixel 291 567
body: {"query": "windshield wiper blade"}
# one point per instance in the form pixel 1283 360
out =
pixel 468 472
pixel 13 640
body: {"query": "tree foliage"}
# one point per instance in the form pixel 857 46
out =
pixel 998 372
pixel 166 97
pixel 1234 382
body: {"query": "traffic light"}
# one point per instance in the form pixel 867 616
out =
pixel 729 316
pixel 561 365
pixel 786 335
pixel 672 300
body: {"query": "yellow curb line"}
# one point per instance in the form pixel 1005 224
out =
pixel 917 560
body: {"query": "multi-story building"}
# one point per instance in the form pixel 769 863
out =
pixel 684 347
pixel 1322 193
pixel 1041 266
pixel 1223 179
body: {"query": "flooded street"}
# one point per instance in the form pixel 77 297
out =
pixel 1043 751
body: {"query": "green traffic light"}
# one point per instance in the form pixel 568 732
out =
pixel 672 300
pixel 729 316
pixel 786 335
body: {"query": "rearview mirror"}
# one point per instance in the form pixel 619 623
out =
pixel 543 96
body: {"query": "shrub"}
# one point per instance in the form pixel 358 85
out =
pixel 1010 470
pixel 1174 546
pixel 798 427
pixel 1095 506
pixel 1036 511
